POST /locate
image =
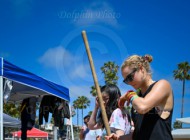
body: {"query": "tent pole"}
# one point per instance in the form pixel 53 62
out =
pixel 1 107
pixel 55 133
pixel 71 122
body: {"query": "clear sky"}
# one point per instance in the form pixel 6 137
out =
pixel 44 37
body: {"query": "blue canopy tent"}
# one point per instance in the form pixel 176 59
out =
pixel 24 85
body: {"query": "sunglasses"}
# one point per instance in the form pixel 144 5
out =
pixel 130 77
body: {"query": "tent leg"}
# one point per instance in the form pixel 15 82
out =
pixel 55 133
pixel 1 107
pixel 71 123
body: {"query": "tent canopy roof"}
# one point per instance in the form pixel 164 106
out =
pixel 184 120
pixel 34 132
pixel 9 121
pixel 26 84
pixel 181 133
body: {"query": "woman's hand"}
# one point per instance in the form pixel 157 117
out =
pixel 121 101
pixel 98 138
pixel 81 134
pixel 113 136
pixel 126 97
pixel 97 103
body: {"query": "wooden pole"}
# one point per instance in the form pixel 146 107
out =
pixel 105 119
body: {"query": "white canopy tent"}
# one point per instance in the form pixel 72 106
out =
pixel 184 120
pixel 183 132
pixel 24 85
pixel 9 121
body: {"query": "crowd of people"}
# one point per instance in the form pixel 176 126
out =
pixel 151 104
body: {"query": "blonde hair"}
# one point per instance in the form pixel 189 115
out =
pixel 136 61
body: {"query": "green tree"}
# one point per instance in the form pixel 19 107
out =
pixel 84 102
pixel 182 74
pixel 110 71
pixel 90 113
pixel 93 91
pixel 177 125
pixel 52 120
pixel 76 106
pixel 12 110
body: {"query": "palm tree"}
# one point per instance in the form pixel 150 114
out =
pixel 93 91
pixel 90 113
pixel 182 73
pixel 110 70
pixel 83 103
pixel 76 106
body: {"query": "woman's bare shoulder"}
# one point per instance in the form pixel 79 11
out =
pixel 163 82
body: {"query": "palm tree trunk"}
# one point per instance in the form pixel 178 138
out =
pixel 82 117
pixel 183 98
pixel 77 117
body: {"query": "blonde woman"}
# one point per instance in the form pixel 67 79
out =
pixel 152 102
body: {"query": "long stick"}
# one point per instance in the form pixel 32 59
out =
pixel 105 119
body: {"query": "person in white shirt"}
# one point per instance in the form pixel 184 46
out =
pixel 86 133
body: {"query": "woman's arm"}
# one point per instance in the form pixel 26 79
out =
pixel 92 124
pixel 119 122
pixel 119 132
pixel 81 134
pixel 158 95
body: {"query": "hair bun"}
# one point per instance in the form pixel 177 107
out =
pixel 148 58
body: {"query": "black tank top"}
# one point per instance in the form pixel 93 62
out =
pixel 151 126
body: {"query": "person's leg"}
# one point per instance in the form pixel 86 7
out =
pixel 23 134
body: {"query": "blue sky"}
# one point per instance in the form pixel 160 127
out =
pixel 44 37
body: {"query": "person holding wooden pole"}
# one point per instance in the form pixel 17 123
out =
pixel 100 102
pixel 105 120
pixel 119 121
